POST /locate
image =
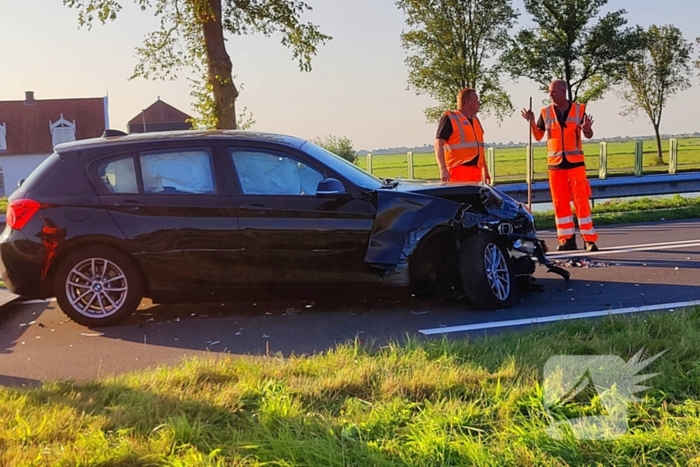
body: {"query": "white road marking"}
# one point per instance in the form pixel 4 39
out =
pixel 626 249
pixel 548 319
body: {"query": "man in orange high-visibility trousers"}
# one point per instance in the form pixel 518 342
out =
pixel 459 142
pixel 564 121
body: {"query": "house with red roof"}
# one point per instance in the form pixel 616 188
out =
pixel 30 128
pixel 159 116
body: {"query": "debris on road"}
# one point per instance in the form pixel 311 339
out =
pixel 92 334
pixel 583 263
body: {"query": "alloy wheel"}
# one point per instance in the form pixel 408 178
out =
pixel 497 272
pixel 96 287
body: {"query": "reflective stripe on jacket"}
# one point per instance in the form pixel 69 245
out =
pixel 564 141
pixel 466 143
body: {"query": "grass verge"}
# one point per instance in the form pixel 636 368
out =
pixel 633 211
pixel 435 403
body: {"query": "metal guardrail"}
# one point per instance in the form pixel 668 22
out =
pixel 617 187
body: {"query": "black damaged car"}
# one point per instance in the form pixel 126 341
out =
pixel 197 216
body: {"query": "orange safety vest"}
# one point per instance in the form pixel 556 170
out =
pixel 466 143
pixel 564 141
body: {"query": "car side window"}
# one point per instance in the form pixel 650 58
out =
pixel 119 175
pixel 264 173
pixel 181 171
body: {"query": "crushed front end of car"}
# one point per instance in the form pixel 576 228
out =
pixel 472 241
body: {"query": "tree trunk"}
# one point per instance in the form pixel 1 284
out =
pixel 659 154
pixel 220 68
pixel 567 71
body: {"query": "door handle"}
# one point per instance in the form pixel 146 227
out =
pixel 256 208
pixel 128 203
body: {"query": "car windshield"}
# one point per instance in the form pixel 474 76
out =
pixel 346 168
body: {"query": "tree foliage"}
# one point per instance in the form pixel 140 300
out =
pixel 191 38
pixel 342 146
pixel 573 42
pixel 697 62
pixel 453 44
pixel 664 69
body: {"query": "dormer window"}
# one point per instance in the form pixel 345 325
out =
pixel 62 131
pixel 3 137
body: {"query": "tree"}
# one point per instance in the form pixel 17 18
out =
pixel 340 146
pixel 664 69
pixel 453 44
pixel 571 42
pixel 191 36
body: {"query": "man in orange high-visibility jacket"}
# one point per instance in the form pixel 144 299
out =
pixel 563 121
pixel 459 142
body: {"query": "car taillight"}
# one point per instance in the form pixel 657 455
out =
pixel 20 211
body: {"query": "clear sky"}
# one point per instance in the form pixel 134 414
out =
pixel 357 87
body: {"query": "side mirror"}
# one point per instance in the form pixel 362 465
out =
pixel 330 188
pixel 19 184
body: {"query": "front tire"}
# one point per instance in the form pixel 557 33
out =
pixel 487 273
pixel 97 286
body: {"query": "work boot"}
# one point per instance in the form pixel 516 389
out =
pixel 591 246
pixel 568 245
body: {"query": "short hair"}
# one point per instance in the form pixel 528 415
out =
pixel 463 95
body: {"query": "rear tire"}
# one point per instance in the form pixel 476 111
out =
pixel 98 286
pixel 487 273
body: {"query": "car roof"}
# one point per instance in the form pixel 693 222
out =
pixel 184 135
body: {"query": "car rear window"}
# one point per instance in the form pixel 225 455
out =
pixel 119 175
pixel 39 174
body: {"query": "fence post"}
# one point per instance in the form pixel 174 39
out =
pixel 638 158
pixel 673 157
pixel 409 156
pixel 603 163
pixel 491 163
pixel 369 162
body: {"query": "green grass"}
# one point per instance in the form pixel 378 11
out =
pixel 621 211
pixel 438 403
pixel 511 162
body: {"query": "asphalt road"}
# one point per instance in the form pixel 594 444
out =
pixel 638 265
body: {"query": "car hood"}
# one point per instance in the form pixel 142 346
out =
pixel 484 198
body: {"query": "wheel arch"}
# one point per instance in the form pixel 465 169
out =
pixel 112 243
pixel 434 261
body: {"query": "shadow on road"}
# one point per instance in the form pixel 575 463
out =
pixel 17 382
pixel 15 319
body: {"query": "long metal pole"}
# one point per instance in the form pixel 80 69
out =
pixel 529 162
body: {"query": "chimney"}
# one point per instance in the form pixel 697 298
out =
pixel 29 97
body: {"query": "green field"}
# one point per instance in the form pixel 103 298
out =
pixel 510 162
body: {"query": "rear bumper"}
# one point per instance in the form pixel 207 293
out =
pixel 21 264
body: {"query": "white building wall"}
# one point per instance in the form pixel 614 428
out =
pixel 15 168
